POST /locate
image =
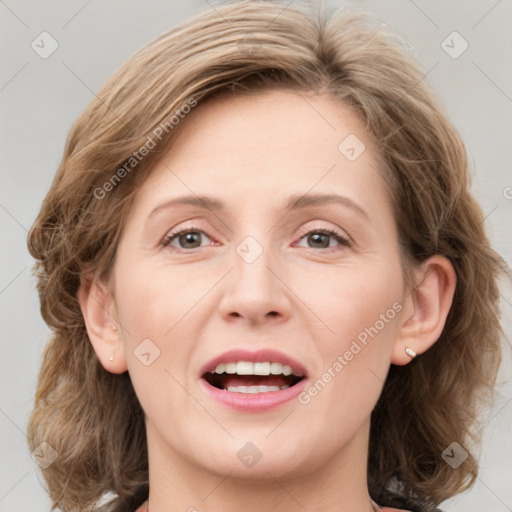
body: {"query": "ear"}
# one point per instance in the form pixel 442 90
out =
pixel 98 310
pixel 426 309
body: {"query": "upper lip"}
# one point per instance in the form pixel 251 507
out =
pixel 258 356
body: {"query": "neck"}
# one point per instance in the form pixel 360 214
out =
pixel 333 485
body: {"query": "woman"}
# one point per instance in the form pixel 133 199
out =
pixel 269 284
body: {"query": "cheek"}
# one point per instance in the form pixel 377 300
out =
pixel 354 299
pixel 160 303
pixel 359 310
pixel 154 302
pixel 365 319
pixel 154 308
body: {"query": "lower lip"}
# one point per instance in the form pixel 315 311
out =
pixel 254 402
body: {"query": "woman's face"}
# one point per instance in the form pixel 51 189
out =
pixel 316 287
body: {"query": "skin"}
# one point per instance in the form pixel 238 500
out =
pixel 303 298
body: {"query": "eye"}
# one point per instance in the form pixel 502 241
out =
pixel 320 239
pixel 188 238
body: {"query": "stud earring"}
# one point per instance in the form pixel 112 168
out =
pixel 410 352
pixel 111 358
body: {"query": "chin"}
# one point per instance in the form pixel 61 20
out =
pixel 258 457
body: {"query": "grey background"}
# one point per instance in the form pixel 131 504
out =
pixel 40 98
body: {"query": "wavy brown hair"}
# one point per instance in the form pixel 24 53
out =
pixel 92 418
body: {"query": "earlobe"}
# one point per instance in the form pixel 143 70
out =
pixel 98 310
pixel 427 308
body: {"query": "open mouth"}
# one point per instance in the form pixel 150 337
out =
pixel 252 378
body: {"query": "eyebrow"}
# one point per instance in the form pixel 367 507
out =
pixel 295 202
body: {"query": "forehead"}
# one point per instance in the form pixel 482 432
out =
pixel 255 162
pixel 275 136
pixel 273 117
pixel 262 149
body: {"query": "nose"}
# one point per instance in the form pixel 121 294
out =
pixel 255 292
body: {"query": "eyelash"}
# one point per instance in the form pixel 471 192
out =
pixel 343 241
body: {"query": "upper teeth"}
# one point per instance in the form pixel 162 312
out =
pixel 249 368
